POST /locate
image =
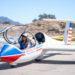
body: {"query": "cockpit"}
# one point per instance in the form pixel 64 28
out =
pixel 13 36
pixel 40 37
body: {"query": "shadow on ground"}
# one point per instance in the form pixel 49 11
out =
pixel 5 66
pixel 56 62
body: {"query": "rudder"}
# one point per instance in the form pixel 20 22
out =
pixel 68 33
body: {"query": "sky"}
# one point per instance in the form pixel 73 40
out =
pixel 24 11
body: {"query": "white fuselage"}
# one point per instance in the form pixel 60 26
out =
pixel 30 54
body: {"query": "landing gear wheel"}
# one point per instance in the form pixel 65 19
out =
pixel 12 66
pixel 37 60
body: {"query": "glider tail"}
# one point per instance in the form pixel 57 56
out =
pixel 68 33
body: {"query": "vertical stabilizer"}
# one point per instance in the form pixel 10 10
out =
pixel 68 33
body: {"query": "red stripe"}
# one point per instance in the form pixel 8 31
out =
pixel 10 59
pixel 39 49
pixel 70 29
pixel 70 37
pixel 68 44
pixel 69 33
pixel 69 40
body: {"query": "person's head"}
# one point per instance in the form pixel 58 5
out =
pixel 24 37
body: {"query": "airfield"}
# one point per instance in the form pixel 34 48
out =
pixel 53 63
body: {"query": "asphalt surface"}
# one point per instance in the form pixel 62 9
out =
pixel 53 63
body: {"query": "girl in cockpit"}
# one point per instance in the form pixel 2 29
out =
pixel 25 42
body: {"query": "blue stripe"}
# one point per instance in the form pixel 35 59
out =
pixel 10 50
pixel 70 25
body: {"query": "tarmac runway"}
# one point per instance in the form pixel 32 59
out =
pixel 53 63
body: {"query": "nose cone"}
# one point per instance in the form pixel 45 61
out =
pixel 8 50
pixel 10 53
pixel 0 55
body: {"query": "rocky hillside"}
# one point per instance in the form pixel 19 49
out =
pixel 51 28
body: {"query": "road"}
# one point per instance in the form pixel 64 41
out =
pixel 53 63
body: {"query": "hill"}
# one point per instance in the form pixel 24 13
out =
pixel 51 28
pixel 6 19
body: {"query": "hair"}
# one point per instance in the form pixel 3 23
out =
pixel 22 41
